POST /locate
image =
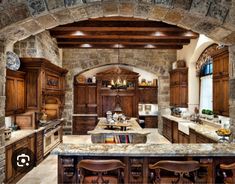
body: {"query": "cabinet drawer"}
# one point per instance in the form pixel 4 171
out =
pixel 21 143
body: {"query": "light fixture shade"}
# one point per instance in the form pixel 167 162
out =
pixel 117 108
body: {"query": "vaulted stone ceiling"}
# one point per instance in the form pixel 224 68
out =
pixel 22 18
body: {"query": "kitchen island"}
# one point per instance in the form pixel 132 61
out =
pixel 141 155
pixel 129 132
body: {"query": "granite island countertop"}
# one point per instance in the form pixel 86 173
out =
pixel 146 150
pixel 204 129
pixel 133 128
pixel 20 134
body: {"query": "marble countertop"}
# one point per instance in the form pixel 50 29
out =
pixel 204 129
pixel 148 150
pixel 20 134
pixel 133 128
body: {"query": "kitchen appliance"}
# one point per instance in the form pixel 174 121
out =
pixel 52 135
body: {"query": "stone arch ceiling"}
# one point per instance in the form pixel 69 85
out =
pixel 22 18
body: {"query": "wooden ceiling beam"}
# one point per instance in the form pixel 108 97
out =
pixel 94 23
pixel 129 37
pixel 122 43
pixel 127 28
pixel 125 46
pixel 183 41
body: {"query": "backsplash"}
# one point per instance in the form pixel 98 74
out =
pixel 148 109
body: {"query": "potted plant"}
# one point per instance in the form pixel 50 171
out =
pixel 203 113
pixel 210 114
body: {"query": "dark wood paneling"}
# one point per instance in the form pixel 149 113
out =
pixel 221 82
pixel 106 32
pixel 15 92
pixel 151 121
pixel 179 87
pixel 148 95
pixel 82 124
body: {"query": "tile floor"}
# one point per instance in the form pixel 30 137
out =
pixel 46 172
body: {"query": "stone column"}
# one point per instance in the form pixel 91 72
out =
pixel 232 88
pixel 163 98
pixel 2 111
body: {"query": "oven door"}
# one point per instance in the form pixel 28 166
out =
pixel 51 139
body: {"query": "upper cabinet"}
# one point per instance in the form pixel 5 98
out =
pixel 179 87
pixel 43 80
pixel 85 98
pixel 15 92
pixel 221 82
pixel 148 94
pixel 108 97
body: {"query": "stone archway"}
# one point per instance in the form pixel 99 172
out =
pixel 20 19
pixel 156 61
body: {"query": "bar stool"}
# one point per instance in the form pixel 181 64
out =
pixel 229 180
pixel 99 171
pixel 183 169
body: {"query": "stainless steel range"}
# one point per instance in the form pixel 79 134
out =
pixel 52 135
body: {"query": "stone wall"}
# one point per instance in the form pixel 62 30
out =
pixel 2 111
pixel 232 88
pixel 40 45
pixel 155 61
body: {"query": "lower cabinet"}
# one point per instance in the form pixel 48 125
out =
pixel 11 174
pixel 82 124
pixel 195 137
pixel 167 129
pixel 39 147
pixel 183 138
pixel 175 131
pixel 150 121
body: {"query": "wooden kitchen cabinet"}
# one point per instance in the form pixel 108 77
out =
pixel 175 133
pixel 108 98
pixel 167 129
pixel 183 138
pixel 195 137
pixel 11 175
pixel 148 94
pixel 43 80
pixel 82 124
pixel 150 121
pixel 179 87
pixel 221 82
pixel 15 92
pixel 38 147
pixel 85 99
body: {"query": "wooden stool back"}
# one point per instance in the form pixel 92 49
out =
pixel 181 168
pixel 101 168
pixel 229 180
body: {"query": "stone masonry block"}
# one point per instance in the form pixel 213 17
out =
pixel 126 8
pixel 32 27
pixel 182 4
pixel 200 7
pixel 37 7
pixel 94 10
pixel 158 13
pixel 55 4
pixel 63 16
pixel 47 21
pixel 78 13
pixel 142 10
pixel 69 3
pixel 110 8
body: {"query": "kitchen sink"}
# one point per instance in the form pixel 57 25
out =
pixel 184 126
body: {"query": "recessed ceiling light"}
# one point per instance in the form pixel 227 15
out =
pixel 118 45
pixel 189 33
pixel 78 33
pixel 158 33
pixel 86 45
pixel 149 46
